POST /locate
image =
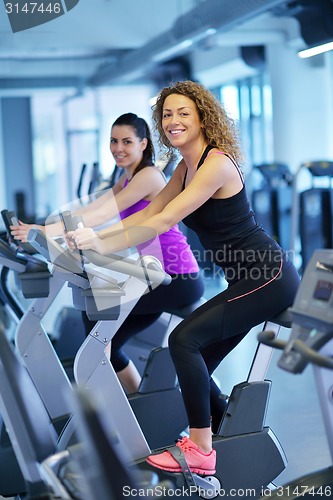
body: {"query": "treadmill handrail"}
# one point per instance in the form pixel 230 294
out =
pixel 21 261
pixel 311 355
pixel 10 253
pixel 147 268
pixel 53 252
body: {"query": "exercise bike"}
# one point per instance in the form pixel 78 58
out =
pixel 311 341
pixel 40 359
pixel 249 455
pixel 234 450
pixel 68 318
pixel 35 347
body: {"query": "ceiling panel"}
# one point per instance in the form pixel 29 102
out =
pixel 101 40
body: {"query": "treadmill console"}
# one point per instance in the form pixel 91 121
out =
pixel 53 252
pixel 312 311
pixel 10 219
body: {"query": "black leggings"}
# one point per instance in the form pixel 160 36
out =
pixel 182 291
pixel 200 342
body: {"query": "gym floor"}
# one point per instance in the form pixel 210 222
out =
pixel 294 414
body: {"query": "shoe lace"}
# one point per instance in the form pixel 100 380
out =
pixel 184 444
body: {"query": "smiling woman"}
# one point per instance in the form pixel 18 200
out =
pixel 207 192
pixel 140 183
pixel 131 151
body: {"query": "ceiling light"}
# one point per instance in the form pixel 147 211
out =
pixel 314 51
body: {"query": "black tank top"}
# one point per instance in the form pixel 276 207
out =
pixel 230 234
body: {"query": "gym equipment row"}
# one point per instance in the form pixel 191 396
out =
pixel 80 471
pixel 90 183
pixel 272 201
pixel 68 318
pixel 138 348
pixel 312 222
pixel 312 331
pixel 297 209
pixel 44 367
pixel 159 384
pixel 312 312
pixel 245 445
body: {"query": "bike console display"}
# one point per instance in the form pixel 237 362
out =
pixel 312 313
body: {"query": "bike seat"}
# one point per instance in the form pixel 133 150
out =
pixel 284 318
pixel 185 311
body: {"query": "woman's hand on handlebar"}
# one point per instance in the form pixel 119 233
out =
pixel 21 231
pixel 86 238
pixel 70 241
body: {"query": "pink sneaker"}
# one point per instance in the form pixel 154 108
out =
pixel 198 462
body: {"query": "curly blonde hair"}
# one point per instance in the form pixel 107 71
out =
pixel 220 130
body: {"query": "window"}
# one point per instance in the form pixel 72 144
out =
pixel 250 102
pixel 69 130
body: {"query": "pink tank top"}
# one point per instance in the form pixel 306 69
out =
pixel 171 248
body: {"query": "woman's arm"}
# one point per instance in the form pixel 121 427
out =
pixel 93 240
pixel 169 192
pixel 144 184
pixel 92 213
pixel 171 206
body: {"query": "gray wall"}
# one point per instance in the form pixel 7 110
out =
pixel 17 151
